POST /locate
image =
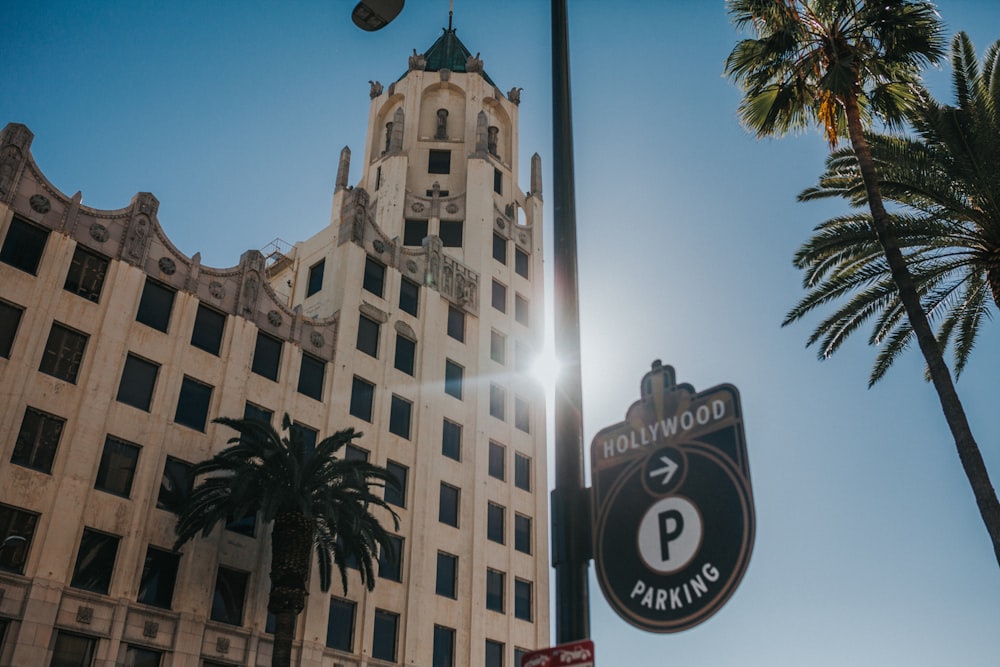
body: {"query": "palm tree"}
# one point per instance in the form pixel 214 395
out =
pixel 947 182
pixel 313 499
pixel 840 63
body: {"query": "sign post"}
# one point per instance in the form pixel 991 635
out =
pixel 673 512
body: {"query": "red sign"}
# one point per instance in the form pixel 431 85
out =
pixel 577 654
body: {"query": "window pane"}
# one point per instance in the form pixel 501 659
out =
pixel 494 653
pixel 496 464
pixel 251 411
pixel 499 297
pixel 522 533
pixel 519 653
pixel 37 440
pixel 439 162
pixel 175 485
pixel 406 353
pixel 155 305
pixel 374 278
pixel 453 379
pixel 10 319
pixel 136 656
pixel 368 336
pixel 399 416
pixel 384 635
pixel 498 181
pixel 521 262
pixel 117 467
pixel 95 561
pixel 522 472
pixel 86 274
pixel 522 414
pixel 498 400
pixel 308 434
pixel 390 565
pixel 17 528
pixel 495 523
pixel 393 495
pixel 521 313
pixel 266 356
pixel 315 283
pixel 243 525
pixel 500 249
pixel 208 327
pixel 498 347
pixel 355 453
pixel 456 323
pixel 448 505
pixel 494 590
pixel 193 403
pixel 444 647
pixel 409 296
pixel 414 232
pixel 362 396
pixel 312 374
pixel 230 593
pixel 159 573
pixel 138 378
pixel 23 246
pixel 447 572
pixel 451 440
pixel 522 599
pixel 340 625
pixel 63 353
pixel 72 650
pixel 451 233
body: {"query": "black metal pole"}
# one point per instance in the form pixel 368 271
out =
pixel 570 507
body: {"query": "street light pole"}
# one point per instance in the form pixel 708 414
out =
pixel 570 501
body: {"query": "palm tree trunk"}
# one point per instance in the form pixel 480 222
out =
pixel 291 551
pixel 968 450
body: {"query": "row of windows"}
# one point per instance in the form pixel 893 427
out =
pixel 498 299
pixel 521 258
pixel 451 446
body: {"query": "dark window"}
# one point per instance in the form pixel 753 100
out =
pixel 63 353
pixel 10 318
pixel 444 647
pixel 453 379
pixel 451 233
pixel 340 625
pixel 390 562
pixel 315 283
pixel 439 162
pixel 399 416
pixel 86 274
pixel 522 472
pixel 456 323
pixel 441 193
pixel 448 505
pixel 355 453
pixel 95 561
pixel 229 596
pixel 498 400
pixel 520 262
pixel 500 249
pixel 308 434
pixel 495 523
pixel 494 590
pixel 374 278
pixel 498 347
pixel 499 297
pixel 384 635
pixel 414 232
pixel 494 653
pixel 72 650
pixel 312 372
pixel 447 576
pixel 522 533
pixel 137 656
pixel 192 404
pixel 251 411
pixel 362 397
pixel 396 496
pixel 159 573
pixel 243 525
pixel 378 178
pixel 208 327
pixel 522 599
pixel 17 528
pixel 266 356
pixel 155 305
pixel 409 296
pixel 23 246
pixel 496 465
pixel 37 440
pixel 521 309
pixel 175 485
pixel 138 379
pixel 522 414
pixel 406 352
pixel 451 440
pixel 498 181
pixel 519 654
pixel 368 330
pixel 117 468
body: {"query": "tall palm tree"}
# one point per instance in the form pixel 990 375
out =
pixel 314 500
pixel 947 181
pixel 839 63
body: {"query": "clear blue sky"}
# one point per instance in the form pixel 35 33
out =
pixel 869 548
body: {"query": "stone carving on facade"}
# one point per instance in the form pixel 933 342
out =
pixel 375 89
pixel 40 204
pixel 436 200
pixel 274 318
pixel 167 265
pixel 251 288
pixel 99 232
pixel 316 338
pixel 445 74
pixel 509 210
pixel 396 132
pixel 150 629
pixel 474 64
pixel 501 223
pixel 492 134
pixel 216 289
pixel 343 168
pixel 135 244
pixel 446 276
pixel 16 140
pixel 514 95
pixel 359 214
pixel 481 133
pixel 411 266
pixel 451 208
pixel 379 246
pixel 84 615
pixel 442 124
pixel 388 137
pixel 432 246
pixel 417 207
pixel 417 61
pixel 222 645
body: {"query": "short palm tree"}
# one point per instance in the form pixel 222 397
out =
pixel 947 181
pixel 314 500
pixel 838 64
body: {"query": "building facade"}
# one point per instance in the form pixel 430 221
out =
pixel 412 317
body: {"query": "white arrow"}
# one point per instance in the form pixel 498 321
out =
pixel 668 470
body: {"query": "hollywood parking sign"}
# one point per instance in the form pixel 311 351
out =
pixel 673 516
